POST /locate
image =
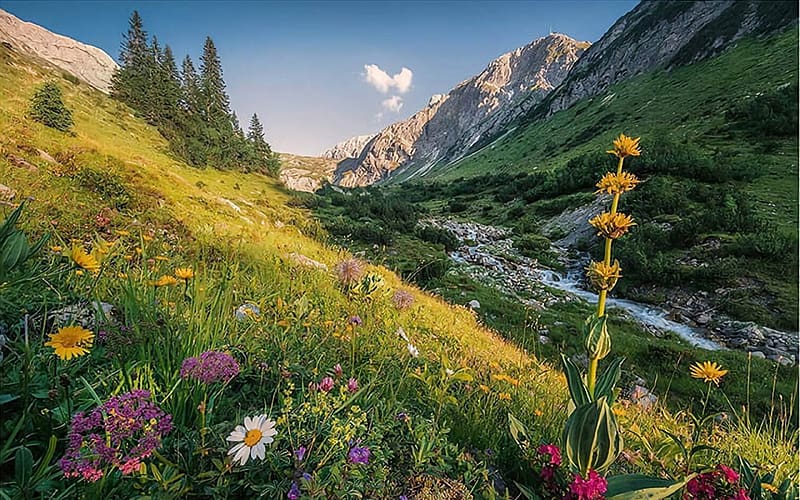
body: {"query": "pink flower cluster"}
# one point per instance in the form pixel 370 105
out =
pixel 722 483
pixel 592 487
pixel 120 433
pixel 327 383
pixel 551 456
pixel 402 299
pixel 210 367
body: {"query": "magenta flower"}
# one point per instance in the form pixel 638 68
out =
pixel 729 474
pixel 358 455
pixel 355 320
pixel 591 488
pixel 210 367
pixel 337 370
pixel 553 451
pixel 326 384
pixel 352 385
pixel 300 453
pixel 118 434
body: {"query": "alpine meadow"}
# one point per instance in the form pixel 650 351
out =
pixel 573 275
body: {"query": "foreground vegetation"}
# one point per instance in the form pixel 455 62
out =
pixel 375 388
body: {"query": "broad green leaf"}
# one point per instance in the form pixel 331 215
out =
pixel 641 487
pixel 595 336
pixel 518 431
pixel 591 437
pixel 577 388
pixel 607 381
pixel 23 466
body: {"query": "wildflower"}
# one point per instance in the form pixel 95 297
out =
pixel 354 320
pixel 554 454
pixel 325 385
pixel 70 341
pixel 412 350
pixel 504 396
pixel 210 367
pixel 617 183
pixel 122 232
pixel 165 281
pixel 402 299
pixel 625 146
pixel 84 260
pixel 294 492
pixel 769 487
pixel 358 455
pixel 161 258
pixel 602 276
pixel 708 371
pixel 300 453
pixel 56 249
pixel 537 412
pixel 612 226
pixel 252 438
pixel 402 334
pixel 591 488
pixel 352 385
pixel 245 311
pixel 403 417
pixel 337 370
pixel 120 433
pixel 484 388
pixel 349 271
pixel 184 273
pixel 729 474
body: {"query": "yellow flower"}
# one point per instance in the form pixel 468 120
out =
pixel 122 232
pixel 505 378
pixel 56 249
pixel 625 146
pixel 122 275
pixel 612 225
pixel 70 341
pixel 708 371
pixel 165 281
pixel 79 272
pixel 184 273
pixel 538 412
pixel 769 487
pixel 484 388
pixel 102 248
pixel 617 183
pixel 161 258
pixel 504 396
pixel 602 276
pixel 84 260
pixel 147 237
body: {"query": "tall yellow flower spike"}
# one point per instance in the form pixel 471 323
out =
pixel 625 146
pixel 617 183
pixel 603 276
pixel 612 225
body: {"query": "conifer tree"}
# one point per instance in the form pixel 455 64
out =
pixel 216 104
pixel 170 86
pixel 130 82
pixel 48 107
pixel 265 159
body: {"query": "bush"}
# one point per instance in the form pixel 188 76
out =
pixel 438 236
pixel 48 108
pixel 107 184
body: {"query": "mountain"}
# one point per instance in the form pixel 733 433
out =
pixel 664 34
pixel 86 62
pixel 305 173
pixel 349 148
pixel 451 124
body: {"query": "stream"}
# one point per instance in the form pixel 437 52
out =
pixel 489 256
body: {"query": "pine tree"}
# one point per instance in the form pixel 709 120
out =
pixel 215 105
pixel 190 87
pixel 47 107
pixel 130 82
pixel 170 86
pixel 266 161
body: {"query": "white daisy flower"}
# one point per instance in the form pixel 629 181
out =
pixel 252 438
pixel 402 334
pixel 412 350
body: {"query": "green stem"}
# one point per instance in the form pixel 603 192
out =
pixel 591 376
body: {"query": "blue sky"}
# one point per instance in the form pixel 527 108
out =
pixel 301 65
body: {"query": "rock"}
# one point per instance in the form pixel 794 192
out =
pixel 246 311
pixel 86 62
pixel 88 315
pixel 544 339
pixel 703 319
pixel 758 354
pixel 642 397
pixel 20 162
pixel 349 148
pixel 474 304
pixel 307 261
pixel 46 157
pixel 6 194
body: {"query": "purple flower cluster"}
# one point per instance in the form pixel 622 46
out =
pixel 120 433
pixel 593 487
pixel 358 455
pixel 721 483
pixel 355 320
pixel 210 367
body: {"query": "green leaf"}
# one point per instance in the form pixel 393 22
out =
pixel 527 492
pixel 641 487
pixel 518 431
pixel 577 388
pixel 23 466
pixel 595 336
pixel 607 381
pixel 591 437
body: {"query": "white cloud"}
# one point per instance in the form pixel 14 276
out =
pixel 382 82
pixel 393 103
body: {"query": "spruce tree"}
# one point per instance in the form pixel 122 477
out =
pixel 215 105
pixel 170 86
pixel 47 107
pixel 130 82
pixel 266 161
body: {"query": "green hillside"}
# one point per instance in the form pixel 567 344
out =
pixel 430 408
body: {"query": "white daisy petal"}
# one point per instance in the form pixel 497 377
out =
pixel 259 451
pixel 268 440
pixel 248 423
pixel 241 429
pixel 242 455
pixel 236 448
pixel 270 432
pixel 236 436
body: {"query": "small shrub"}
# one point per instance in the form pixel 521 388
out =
pixel 109 185
pixel 47 107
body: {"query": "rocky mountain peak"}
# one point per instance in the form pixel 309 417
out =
pixel 88 63
pixel 349 148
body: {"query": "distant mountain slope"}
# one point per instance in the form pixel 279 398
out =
pixel 305 173
pixel 349 148
pixel 86 62
pixel 480 106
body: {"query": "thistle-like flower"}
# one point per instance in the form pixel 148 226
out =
pixel 602 276
pixel 612 226
pixel 625 146
pixel 617 183
pixel 708 371
pixel 349 271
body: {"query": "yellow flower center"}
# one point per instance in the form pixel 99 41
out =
pixel 252 437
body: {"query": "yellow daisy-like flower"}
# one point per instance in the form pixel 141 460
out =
pixel 484 388
pixel 56 249
pixel 84 260
pixel 625 146
pixel 162 258
pixel 70 342
pixel 708 371
pixel 504 396
pixel 184 273
pixel 165 281
pixel 769 487
pixel 602 276
pixel 617 183
pixel 612 225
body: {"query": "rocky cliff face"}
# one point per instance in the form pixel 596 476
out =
pixel 350 148
pixel 663 34
pixel 86 62
pixel 451 124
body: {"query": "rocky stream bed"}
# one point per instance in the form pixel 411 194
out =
pixel 487 254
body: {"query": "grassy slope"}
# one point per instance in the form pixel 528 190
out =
pixel 688 101
pixel 173 199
